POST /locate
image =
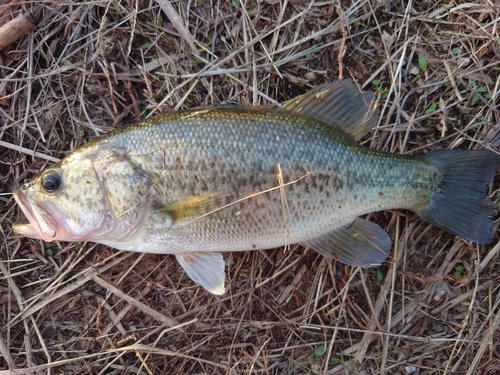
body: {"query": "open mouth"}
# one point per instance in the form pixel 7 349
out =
pixel 41 224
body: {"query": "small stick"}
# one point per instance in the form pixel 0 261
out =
pixel 16 28
pixel 28 151
pixel 7 6
pixel 341 54
pixel 4 349
pixel 178 24
pixel 452 81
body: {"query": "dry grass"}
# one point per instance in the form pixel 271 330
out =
pixel 92 66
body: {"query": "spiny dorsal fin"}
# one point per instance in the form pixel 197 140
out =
pixel 340 104
pixel 359 244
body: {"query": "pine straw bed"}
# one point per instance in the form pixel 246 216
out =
pixel 92 66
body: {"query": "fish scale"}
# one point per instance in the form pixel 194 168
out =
pixel 198 182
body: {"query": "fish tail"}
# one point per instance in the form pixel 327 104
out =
pixel 458 204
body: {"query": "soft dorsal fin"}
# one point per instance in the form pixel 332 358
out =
pixel 359 244
pixel 340 104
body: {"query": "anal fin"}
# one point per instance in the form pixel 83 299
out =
pixel 359 244
pixel 206 269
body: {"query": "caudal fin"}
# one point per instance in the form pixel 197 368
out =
pixel 459 205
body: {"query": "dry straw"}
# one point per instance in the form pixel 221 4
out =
pixel 91 66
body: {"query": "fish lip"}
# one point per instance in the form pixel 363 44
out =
pixel 41 223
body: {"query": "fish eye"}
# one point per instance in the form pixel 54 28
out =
pixel 51 180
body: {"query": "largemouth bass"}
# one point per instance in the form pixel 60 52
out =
pixel 199 182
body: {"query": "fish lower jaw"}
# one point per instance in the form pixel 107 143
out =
pixel 27 230
pixel 41 224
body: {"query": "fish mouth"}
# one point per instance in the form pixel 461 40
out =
pixel 41 224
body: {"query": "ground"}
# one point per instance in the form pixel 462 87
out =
pixel 89 67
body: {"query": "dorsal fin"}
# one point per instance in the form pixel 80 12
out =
pixel 340 104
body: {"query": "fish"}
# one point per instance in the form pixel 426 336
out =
pixel 199 182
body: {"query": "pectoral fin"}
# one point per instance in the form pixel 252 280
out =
pixel 193 208
pixel 206 269
pixel 339 104
pixel 359 244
